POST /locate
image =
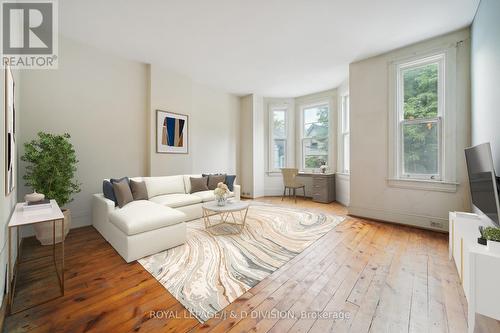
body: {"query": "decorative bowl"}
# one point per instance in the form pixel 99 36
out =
pixel 34 197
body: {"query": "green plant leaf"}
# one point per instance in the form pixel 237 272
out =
pixel 51 167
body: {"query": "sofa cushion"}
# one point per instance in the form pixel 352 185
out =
pixel 164 185
pixel 142 216
pixel 230 182
pixel 122 192
pixel 139 190
pixel 176 200
pixel 198 184
pixel 213 180
pixel 116 180
pixel 206 196
pixel 187 181
pixel 107 190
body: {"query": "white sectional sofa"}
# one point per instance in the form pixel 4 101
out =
pixel 145 227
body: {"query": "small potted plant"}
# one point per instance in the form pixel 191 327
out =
pixel 493 236
pixel 51 170
pixel 221 193
pixel 482 240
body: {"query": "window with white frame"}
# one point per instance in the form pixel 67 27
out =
pixel 345 134
pixel 278 138
pixel 420 102
pixel 315 135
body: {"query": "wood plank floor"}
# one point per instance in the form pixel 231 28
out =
pixel 381 277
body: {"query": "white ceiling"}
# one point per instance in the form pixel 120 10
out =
pixel 275 48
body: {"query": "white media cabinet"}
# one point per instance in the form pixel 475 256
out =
pixel 478 268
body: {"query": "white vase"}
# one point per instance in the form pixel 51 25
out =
pixel 44 231
pixel 493 246
pixel 34 197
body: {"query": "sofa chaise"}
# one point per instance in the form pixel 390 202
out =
pixel 145 227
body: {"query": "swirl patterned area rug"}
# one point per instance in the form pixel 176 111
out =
pixel 210 271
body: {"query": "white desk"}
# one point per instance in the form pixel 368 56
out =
pixel 478 268
pixel 22 218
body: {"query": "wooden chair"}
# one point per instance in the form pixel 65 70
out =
pixel 291 183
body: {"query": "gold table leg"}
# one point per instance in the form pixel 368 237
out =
pixel 13 268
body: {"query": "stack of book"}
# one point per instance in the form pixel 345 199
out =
pixel 36 205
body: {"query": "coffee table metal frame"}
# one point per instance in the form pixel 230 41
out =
pixel 226 214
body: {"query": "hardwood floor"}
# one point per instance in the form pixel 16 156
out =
pixel 381 277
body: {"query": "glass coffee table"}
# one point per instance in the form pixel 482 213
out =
pixel 226 223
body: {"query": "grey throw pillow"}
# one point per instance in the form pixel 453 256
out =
pixel 213 180
pixel 123 193
pixel 139 190
pixel 199 184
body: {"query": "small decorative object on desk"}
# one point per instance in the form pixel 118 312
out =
pixel 482 240
pixel 221 193
pixel 493 237
pixel 323 168
pixel 34 197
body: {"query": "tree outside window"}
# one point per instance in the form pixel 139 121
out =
pixel 315 136
pixel 420 120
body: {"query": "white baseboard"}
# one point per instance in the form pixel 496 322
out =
pixel 273 192
pixel 342 200
pixel 417 220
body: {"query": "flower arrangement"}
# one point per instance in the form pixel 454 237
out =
pixel 323 168
pixel 221 193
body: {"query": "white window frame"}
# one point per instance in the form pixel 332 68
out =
pixel 445 180
pixel 345 131
pixel 438 59
pixel 302 137
pixel 272 109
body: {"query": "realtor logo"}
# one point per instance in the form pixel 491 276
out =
pixel 29 34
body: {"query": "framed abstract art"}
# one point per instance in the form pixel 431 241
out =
pixel 171 132
pixel 10 133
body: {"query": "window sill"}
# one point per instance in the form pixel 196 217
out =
pixel 422 184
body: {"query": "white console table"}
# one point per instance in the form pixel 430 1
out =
pixel 478 268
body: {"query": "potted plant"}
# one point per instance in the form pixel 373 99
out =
pixel 51 169
pixel 493 236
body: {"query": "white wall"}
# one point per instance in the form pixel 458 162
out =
pixel 342 180
pixel 371 196
pixel 246 143
pixel 252 159
pixel 259 146
pixel 98 98
pixel 7 202
pixel 213 125
pixel 486 77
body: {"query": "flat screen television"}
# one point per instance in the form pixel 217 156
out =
pixel 483 181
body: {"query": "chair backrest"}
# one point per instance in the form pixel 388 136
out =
pixel 289 175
